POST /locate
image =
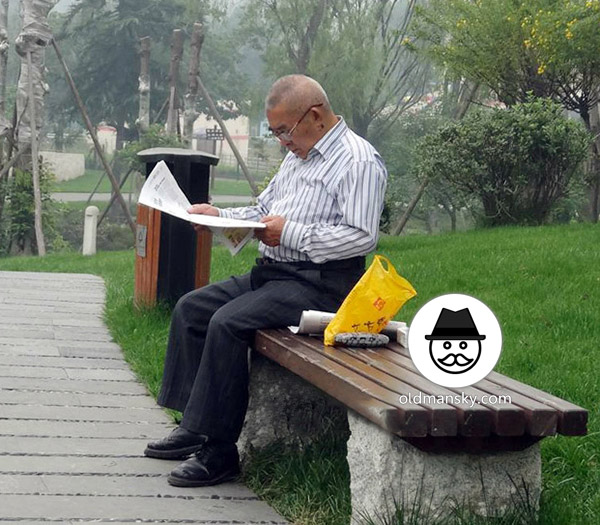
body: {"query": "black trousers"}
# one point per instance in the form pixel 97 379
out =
pixel 206 366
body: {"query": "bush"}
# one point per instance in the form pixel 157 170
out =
pixel 155 137
pixel 17 230
pixel 439 205
pixel 520 162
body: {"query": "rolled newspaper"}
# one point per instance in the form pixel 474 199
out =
pixel 315 322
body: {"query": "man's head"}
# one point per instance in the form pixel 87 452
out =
pixel 299 113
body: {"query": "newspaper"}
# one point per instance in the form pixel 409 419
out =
pixel 161 191
pixel 315 322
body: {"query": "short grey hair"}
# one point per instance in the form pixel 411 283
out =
pixel 297 92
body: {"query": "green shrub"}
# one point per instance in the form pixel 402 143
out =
pixel 17 229
pixel 520 162
pixel 155 137
pixel 440 206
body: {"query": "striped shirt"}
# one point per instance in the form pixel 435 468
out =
pixel 332 200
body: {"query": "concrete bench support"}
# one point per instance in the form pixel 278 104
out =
pixel 384 468
pixel 286 409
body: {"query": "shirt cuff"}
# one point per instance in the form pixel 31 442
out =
pixel 292 234
pixel 225 213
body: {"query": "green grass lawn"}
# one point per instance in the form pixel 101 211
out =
pixel 87 182
pixel 543 285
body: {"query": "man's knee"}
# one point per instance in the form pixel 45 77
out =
pixel 193 307
pixel 183 305
pixel 225 321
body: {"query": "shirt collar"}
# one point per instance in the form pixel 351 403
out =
pixel 325 145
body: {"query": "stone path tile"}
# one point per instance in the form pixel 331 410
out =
pixel 74 420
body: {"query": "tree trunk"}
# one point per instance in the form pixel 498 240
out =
pixel 595 165
pixel 190 112
pixel 399 226
pixel 31 46
pixel 35 172
pixel 143 121
pixel 4 123
pixel 4 46
pixel 308 38
pixel 34 37
pixel 176 53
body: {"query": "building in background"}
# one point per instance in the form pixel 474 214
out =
pixel 206 129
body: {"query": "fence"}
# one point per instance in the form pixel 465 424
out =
pixel 259 167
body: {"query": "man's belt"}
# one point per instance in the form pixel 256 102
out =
pixel 342 264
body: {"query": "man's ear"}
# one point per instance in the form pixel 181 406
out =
pixel 318 116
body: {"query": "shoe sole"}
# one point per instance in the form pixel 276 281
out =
pixel 178 453
pixel 182 482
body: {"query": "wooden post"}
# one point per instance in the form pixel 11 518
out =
pixel 113 196
pixel 215 114
pixel 176 53
pixel 37 194
pixel 143 121
pixel 90 227
pixel 190 113
pixel 92 132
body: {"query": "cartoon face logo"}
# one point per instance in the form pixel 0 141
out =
pixel 455 356
pixel 447 344
pixel 455 343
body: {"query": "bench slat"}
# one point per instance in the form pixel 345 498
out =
pixel 572 419
pixel 541 420
pixel 507 420
pixel 371 381
pixel 442 417
pixel 472 421
pixel 354 391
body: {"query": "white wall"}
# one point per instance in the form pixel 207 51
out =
pixel 238 128
pixel 65 166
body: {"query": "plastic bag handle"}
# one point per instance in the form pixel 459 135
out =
pixel 381 259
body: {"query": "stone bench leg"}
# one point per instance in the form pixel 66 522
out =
pixel 384 468
pixel 285 408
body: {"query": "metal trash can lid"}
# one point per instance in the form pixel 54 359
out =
pixel 169 154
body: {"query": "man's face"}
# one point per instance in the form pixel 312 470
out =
pixel 304 136
pixel 455 356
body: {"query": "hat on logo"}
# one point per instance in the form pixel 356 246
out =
pixel 455 325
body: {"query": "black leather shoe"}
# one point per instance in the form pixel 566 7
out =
pixel 178 444
pixel 211 465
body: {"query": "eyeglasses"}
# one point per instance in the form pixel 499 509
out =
pixel 286 136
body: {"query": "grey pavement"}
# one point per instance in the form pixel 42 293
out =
pixel 104 197
pixel 74 420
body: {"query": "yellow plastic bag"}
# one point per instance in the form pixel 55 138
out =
pixel 375 299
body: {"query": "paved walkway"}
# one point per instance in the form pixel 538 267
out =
pixel 74 420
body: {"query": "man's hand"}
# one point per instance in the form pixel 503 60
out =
pixel 271 235
pixel 203 209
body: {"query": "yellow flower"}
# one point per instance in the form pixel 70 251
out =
pixel 541 69
pixel 527 43
pixel 568 34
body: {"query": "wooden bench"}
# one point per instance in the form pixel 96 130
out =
pixel 441 450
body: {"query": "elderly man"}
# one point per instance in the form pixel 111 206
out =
pixel 321 212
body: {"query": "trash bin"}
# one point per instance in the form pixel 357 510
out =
pixel 171 258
